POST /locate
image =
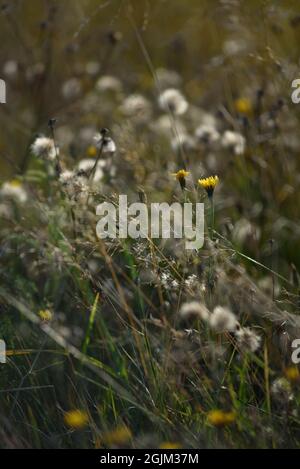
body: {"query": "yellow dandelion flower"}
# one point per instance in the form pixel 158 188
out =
pixel 170 445
pixel 45 315
pixel 119 436
pixel 219 418
pixel 209 184
pixel 292 373
pixel 92 151
pixel 243 106
pixel 15 183
pixel 181 176
pixel 76 418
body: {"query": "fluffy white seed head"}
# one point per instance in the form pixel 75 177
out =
pixel 106 143
pixel 247 340
pixel 14 190
pixel 223 320
pixel 194 309
pixel 174 101
pixel 43 147
pixel 234 141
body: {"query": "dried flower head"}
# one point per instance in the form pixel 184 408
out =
pixel 172 100
pixel 222 320
pixel 209 184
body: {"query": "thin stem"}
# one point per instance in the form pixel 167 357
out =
pixel 212 217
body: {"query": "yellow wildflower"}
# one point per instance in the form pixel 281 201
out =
pixel 92 151
pixel 119 436
pixel 45 315
pixel 209 184
pixel 219 418
pixel 292 373
pixel 181 176
pixel 170 445
pixel 76 418
pixel 243 106
pixel 15 183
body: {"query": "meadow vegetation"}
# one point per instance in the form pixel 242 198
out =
pixel 141 343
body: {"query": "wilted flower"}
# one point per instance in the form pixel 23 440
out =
pixel 194 309
pixel 180 176
pixel 44 147
pixel 222 320
pixel 209 184
pixel 14 190
pixel 234 141
pixel 173 100
pixel 76 418
pixel 219 418
pixel 247 340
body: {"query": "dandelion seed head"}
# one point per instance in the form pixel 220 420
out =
pixel 14 190
pixel 43 147
pixel 281 390
pixel 71 89
pixel 234 141
pixel 174 101
pixel 106 144
pixel 247 340
pixel 207 134
pixel 222 320
pixel 194 309
pixel 109 83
